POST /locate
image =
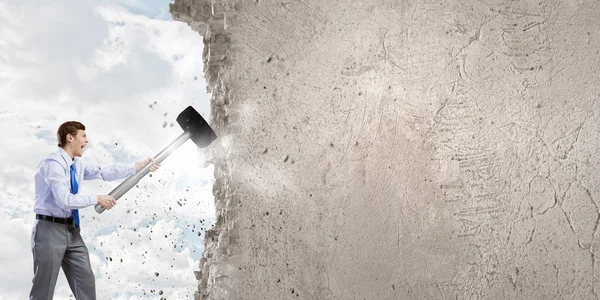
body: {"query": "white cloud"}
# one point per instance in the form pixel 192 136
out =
pixel 126 77
pixel 16 258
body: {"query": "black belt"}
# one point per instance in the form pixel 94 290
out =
pixel 67 221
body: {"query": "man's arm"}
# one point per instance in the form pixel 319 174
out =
pixel 54 175
pixel 114 172
pixel 108 173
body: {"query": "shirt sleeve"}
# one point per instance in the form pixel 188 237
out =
pixel 59 184
pixel 106 173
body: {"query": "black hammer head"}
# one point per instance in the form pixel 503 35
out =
pixel 190 120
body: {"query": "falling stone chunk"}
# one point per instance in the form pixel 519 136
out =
pixel 198 274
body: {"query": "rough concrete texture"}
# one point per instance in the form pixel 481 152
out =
pixel 402 149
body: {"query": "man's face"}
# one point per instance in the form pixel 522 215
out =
pixel 78 141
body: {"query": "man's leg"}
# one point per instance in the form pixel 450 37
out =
pixel 77 267
pixel 48 245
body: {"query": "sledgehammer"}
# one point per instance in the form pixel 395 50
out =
pixel 194 128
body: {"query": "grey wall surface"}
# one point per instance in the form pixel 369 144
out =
pixel 402 149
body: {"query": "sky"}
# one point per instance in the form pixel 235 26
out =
pixel 125 70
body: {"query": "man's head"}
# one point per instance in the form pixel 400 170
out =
pixel 71 137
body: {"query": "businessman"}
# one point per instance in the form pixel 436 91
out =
pixel 55 239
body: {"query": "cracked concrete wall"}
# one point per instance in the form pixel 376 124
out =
pixel 402 149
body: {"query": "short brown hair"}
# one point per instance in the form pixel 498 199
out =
pixel 70 127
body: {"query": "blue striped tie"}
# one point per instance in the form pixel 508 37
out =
pixel 74 189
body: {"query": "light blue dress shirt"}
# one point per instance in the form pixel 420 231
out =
pixel 53 195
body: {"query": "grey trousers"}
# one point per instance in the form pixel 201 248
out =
pixel 54 246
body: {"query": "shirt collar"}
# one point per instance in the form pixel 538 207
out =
pixel 66 157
